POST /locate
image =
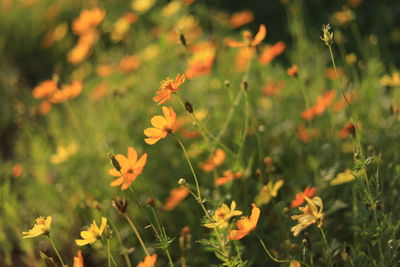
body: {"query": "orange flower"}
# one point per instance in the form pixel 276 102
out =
pixel 87 20
pixel 245 225
pixel 44 89
pixel 99 91
pixel 130 168
pixel 17 170
pixel 149 261
pixel 201 61
pixel 228 176
pixel 67 92
pixel 129 63
pixel 44 107
pixel 78 259
pixel 321 105
pixel 350 129
pixel 270 52
pixel 104 70
pixel 293 71
pixel 163 126
pixel 217 159
pixel 272 88
pixel 241 18
pixel 331 74
pixel 308 192
pixel 248 40
pixel 175 197
pixel 243 57
pixel 167 88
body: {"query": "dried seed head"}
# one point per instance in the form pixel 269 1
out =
pixel 120 204
pixel 151 202
pixel 114 162
pixel 327 35
pixel 189 107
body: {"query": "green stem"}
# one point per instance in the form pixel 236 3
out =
pixel 108 252
pixel 56 250
pixel 269 253
pixel 119 238
pixel 136 232
pixel 326 246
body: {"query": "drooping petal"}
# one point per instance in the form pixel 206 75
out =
pixel 153 132
pixel 103 225
pixel 118 181
pixel 114 172
pixel 83 242
pixel 151 141
pixel 232 43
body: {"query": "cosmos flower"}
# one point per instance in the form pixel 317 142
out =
pixel 162 126
pixel 222 215
pixel 312 213
pixel 92 233
pixel 42 227
pixel 167 88
pixel 248 40
pixel 300 197
pixel 130 168
pixel 245 225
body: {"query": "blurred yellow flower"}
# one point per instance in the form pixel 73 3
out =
pixel 312 213
pixel 222 215
pixel 343 177
pixel 391 81
pixel 268 192
pixel 42 227
pixel 63 153
pixel 90 236
pixel 171 8
pixel 142 6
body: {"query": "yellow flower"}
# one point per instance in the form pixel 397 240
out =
pixel 90 236
pixel 162 126
pixel 142 6
pixel 222 215
pixel 268 192
pixel 312 213
pixel 42 227
pixel 343 177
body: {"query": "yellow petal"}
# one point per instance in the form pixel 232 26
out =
pixel 103 225
pixel 158 122
pixel 132 155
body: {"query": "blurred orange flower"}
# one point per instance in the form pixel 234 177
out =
pixel 293 71
pixel 245 225
pixel 331 74
pixel 312 213
pixel 162 126
pixel 308 192
pixel 201 61
pixel 99 91
pixel 104 70
pixel 175 197
pixel 78 259
pixel 67 92
pixel 228 176
pixel 44 89
pixel 272 88
pixel 149 261
pixel 348 130
pixel 167 88
pixel 322 103
pixel 211 163
pixel 17 170
pixel 130 168
pixel 248 40
pixel 87 20
pixel 270 52
pixel 242 58
pixel 241 18
pixel 129 63
pixel 45 107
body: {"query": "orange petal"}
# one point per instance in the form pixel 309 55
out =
pixel 132 155
pixel 114 172
pixel 118 181
pixel 261 34
pixel 151 141
pixel 232 43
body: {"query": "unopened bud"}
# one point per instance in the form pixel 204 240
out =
pixel 185 239
pixel 114 162
pixel 189 107
pixel 182 181
pixel 227 83
pixel 182 39
pixel 245 85
pixel 151 202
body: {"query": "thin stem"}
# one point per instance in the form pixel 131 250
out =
pixel 269 253
pixel 56 250
pixel 136 232
pixel 113 260
pixel 326 246
pixel 119 238
pixel 196 180
pixel 108 252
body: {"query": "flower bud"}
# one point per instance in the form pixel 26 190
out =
pixel 189 107
pixel 120 204
pixel 114 162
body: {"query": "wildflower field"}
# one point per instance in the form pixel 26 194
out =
pixel 199 133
